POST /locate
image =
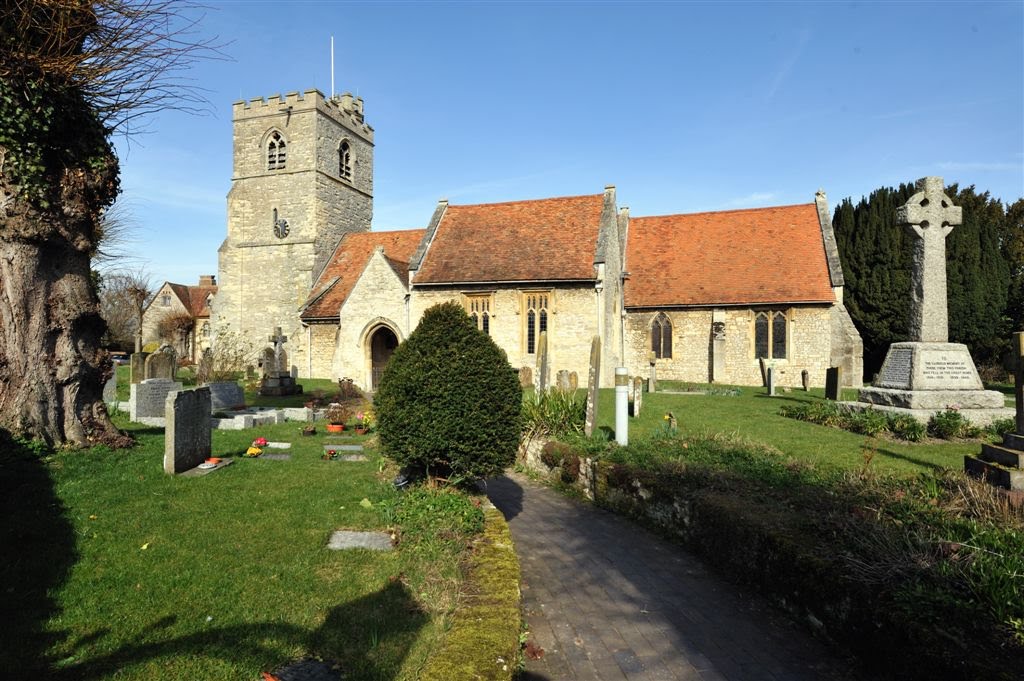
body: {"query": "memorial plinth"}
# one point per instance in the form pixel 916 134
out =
pixel 930 374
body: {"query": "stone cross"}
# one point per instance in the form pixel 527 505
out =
pixel 929 215
pixel 278 339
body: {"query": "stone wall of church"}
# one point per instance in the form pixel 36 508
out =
pixel 377 299
pixel 321 338
pixel 572 322
pixel 808 346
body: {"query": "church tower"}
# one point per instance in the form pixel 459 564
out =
pixel 302 178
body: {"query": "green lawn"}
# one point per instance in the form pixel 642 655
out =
pixel 755 416
pixel 116 570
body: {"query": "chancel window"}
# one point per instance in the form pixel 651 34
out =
pixel 535 314
pixel 661 336
pixel 345 161
pixel 478 307
pixel 276 155
pixel 770 334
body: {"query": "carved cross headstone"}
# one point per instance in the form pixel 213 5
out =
pixel 280 358
pixel 929 215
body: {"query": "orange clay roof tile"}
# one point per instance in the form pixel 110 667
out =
pixel 347 264
pixel 540 240
pixel 740 257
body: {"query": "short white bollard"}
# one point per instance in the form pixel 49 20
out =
pixel 621 406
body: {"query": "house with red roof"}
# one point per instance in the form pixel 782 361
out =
pixel 179 314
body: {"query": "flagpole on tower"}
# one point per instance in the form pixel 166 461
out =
pixel 332 67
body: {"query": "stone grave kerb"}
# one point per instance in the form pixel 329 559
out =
pixel 929 216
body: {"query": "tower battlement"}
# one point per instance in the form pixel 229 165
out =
pixel 343 108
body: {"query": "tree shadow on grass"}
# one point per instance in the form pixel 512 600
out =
pixel 39 550
pixel 368 637
pixel 910 459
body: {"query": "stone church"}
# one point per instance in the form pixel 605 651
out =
pixel 702 297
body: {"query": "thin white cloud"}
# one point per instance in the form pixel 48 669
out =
pixel 787 65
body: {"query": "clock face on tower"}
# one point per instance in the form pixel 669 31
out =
pixel 281 228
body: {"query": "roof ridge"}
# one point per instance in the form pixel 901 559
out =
pixel 509 203
pixel 721 212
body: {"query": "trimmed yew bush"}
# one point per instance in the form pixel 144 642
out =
pixel 448 401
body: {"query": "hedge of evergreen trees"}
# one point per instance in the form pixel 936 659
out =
pixel 984 268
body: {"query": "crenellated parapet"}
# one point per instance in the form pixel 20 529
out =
pixel 344 108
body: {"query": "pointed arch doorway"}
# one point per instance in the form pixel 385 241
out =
pixel 382 343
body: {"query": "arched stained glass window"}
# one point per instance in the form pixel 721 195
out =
pixel 779 335
pixel 661 336
pixel 761 335
pixel 345 161
pixel 276 152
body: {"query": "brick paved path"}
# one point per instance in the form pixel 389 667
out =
pixel 606 600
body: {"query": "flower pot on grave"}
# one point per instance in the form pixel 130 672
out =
pixel 362 431
pixel 335 427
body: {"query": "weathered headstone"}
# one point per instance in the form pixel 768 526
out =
pixel 718 346
pixel 574 381
pixel 638 395
pixel 805 379
pixel 771 380
pixel 137 367
pixel 764 371
pixel 268 366
pixel 250 372
pixel 542 361
pixel 163 364
pixel 593 381
pixel 652 382
pixel 187 430
pixel 833 382
pixel 110 388
pixel 928 373
pixel 526 377
pixel 148 398
pixel 277 377
pixel 562 379
pixel 226 395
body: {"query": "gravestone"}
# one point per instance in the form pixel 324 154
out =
pixel 187 430
pixel 225 395
pixel 137 367
pixel 638 395
pixel 593 380
pixel 833 382
pixel 1018 381
pixel 148 398
pixel 162 364
pixel 652 382
pixel 562 379
pixel 277 378
pixel 110 388
pixel 764 371
pixel 927 373
pixel 526 377
pixel 771 380
pixel 718 346
pixel 574 381
pixel 542 361
pixel 805 379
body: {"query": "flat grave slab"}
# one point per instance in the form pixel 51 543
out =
pixel 308 669
pixel 279 445
pixel 196 472
pixel 344 448
pixel 275 457
pixel 349 539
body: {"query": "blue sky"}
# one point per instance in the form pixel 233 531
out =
pixel 684 107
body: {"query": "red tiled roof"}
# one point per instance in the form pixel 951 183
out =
pixel 197 295
pixel 541 240
pixel 349 260
pixel 738 257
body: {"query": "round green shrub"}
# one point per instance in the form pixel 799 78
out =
pixel 448 401
pixel 552 453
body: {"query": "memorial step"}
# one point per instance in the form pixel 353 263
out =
pixel 994 474
pixel 1004 456
pixel 1013 441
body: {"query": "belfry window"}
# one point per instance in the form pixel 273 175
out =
pixel 345 161
pixel 661 336
pixel 276 152
pixel 770 334
pixel 535 313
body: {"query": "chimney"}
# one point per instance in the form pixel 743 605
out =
pixel 207 280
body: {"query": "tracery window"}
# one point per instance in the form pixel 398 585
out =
pixel 661 336
pixel 770 334
pixel 345 161
pixel 478 307
pixel 535 317
pixel 276 154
